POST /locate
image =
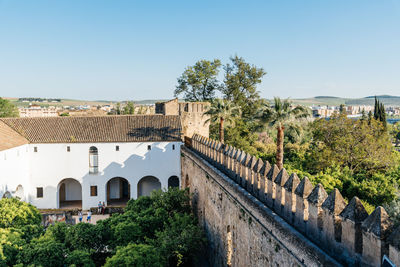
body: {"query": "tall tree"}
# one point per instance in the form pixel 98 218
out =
pixel 363 115
pixel 199 82
pixel 222 111
pixel 281 115
pixel 129 108
pixel 380 113
pixel 342 109
pixel 118 109
pixel 240 85
pixel 7 109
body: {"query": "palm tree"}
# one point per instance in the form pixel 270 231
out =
pixel 281 115
pixel 223 111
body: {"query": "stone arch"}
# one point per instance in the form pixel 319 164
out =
pixel 69 192
pixel 173 181
pixel 148 184
pixel 19 192
pixel 118 191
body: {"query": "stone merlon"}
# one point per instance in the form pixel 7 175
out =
pixel 335 202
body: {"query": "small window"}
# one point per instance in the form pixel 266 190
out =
pixel 93 190
pixel 39 192
pixel 116 148
pixel 173 147
pixel 149 147
pixel 68 149
pixel 35 149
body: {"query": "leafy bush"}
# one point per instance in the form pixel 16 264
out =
pixel 153 231
pixel 15 213
pixel 136 255
pixel 79 258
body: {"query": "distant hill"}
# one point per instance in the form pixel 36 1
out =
pixel 387 100
pixel 325 97
pixel 383 96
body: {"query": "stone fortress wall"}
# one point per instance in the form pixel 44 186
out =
pixel 191 113
pixel 308 225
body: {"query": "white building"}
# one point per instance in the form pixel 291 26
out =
pixel 62 162
pixel 37 111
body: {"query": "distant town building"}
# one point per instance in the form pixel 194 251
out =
pixel 38 111
pixel 323 111
pixel 354 110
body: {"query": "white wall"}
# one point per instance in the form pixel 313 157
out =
pixel 52 163
pixel 14 170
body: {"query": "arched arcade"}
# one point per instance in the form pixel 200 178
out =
pixel 69 194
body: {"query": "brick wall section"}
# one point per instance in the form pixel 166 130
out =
pixel 191 114
pixel 258 236
pixel 344 231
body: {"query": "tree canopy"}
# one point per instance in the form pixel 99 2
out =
pixel 7 109
pixel 281 115
pixel 351 143
pixel 159 230
pixel 222 111
pixel 199 82
pixel 240 85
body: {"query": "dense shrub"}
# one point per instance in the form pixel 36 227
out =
pixel 153 231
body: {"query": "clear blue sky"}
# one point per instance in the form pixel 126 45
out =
pixel 119 50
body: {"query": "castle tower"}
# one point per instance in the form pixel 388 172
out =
pixel 192 115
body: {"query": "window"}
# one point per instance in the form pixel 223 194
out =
pixel 35 149
pixel 93 190
pixel 173 147
pixel 116 148
pixel 93 160
pixel 68 148
pixel 149 147
pixel 39 192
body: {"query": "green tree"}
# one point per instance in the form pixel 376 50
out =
pixel 199 82
pixel 393 209
pixel 83 236
pixel 7 109
pixel 181 241
pixel 43 251
pixel 241 135
pixel 79 258
pixel 363 115
pixel 240 85
pixel 342 109
pixel 11 242
pixel 281 115
pixel 129 108
pixel 17 214
pixel 118 109
pixel 348 143
pixel 136 255
pixel 380 113
pixel 222 111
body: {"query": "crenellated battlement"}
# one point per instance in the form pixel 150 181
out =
pixel 343 230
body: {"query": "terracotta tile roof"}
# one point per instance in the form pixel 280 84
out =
pixel 128 128
pixel 9 138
